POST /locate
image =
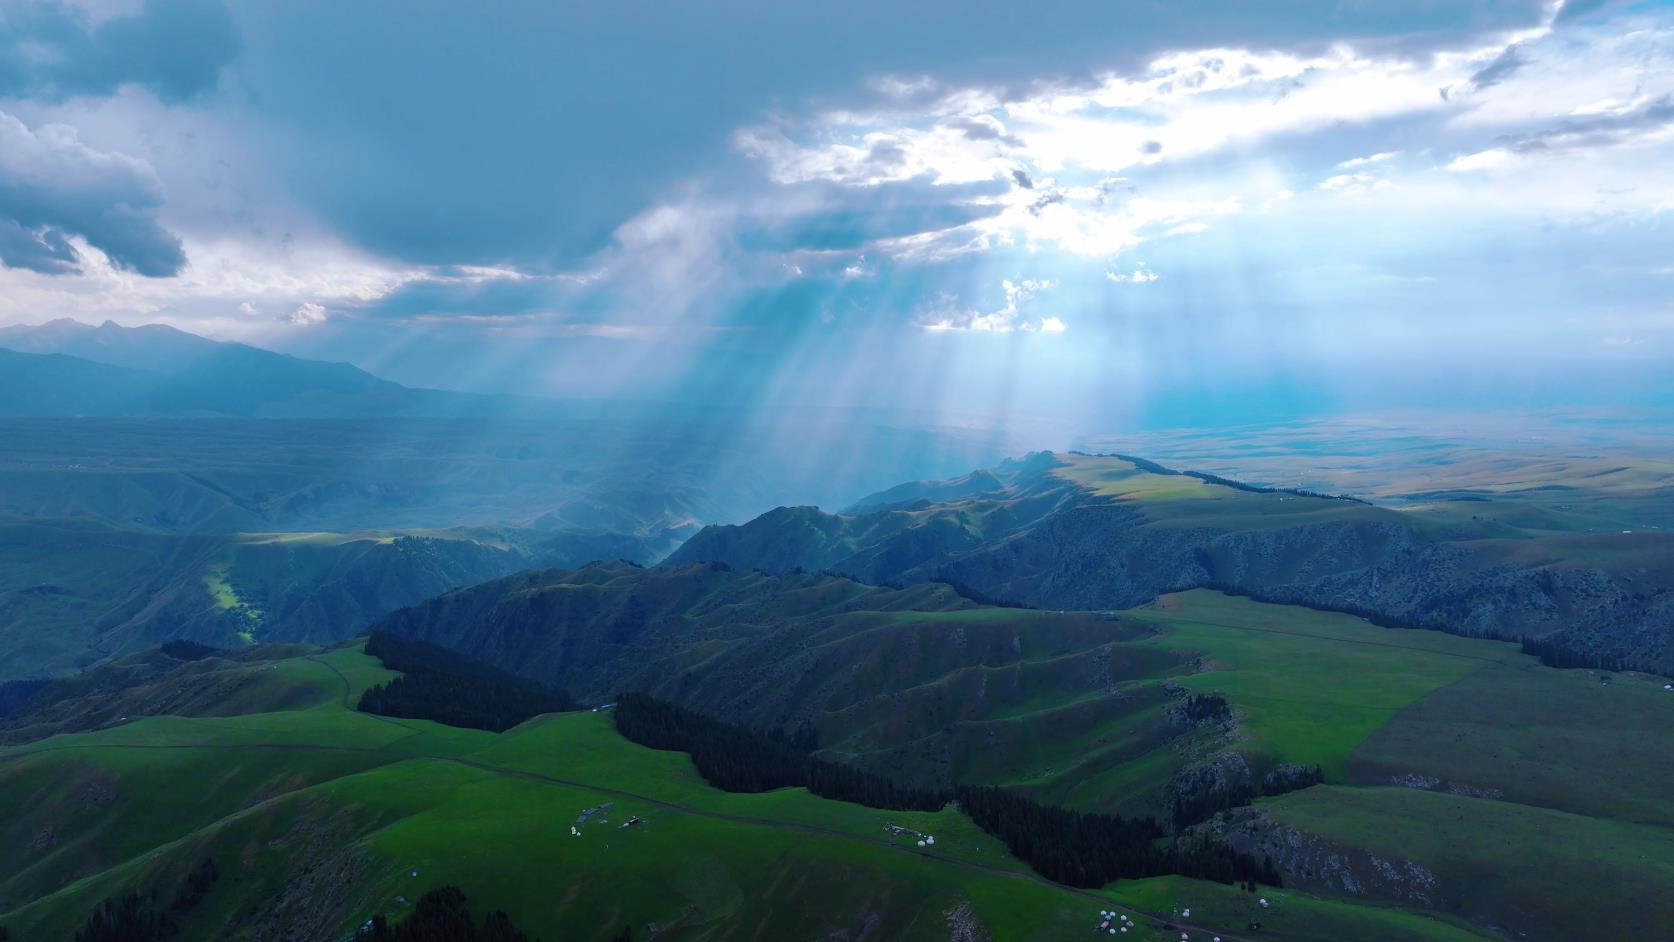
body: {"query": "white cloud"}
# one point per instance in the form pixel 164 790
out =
pixel 1369 159
pixel 1492 159
pixel 1188 228
pixel 248 309
pixel 945 314
pixel 1053 151
pixel 1139 276
pixel 1353 184
pixel 308 314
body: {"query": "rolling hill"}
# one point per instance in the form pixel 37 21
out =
pixel 1206 710
pixel 1103 532
pixel 1551 803
pixel 321 817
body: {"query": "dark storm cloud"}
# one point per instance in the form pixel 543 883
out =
pixel 44 250
pixel 436 134
pixel 53 186
pixel 173 48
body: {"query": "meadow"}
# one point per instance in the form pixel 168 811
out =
pixel 341 809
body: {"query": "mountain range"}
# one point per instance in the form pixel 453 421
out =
pixel 66 368
pixel 1076 531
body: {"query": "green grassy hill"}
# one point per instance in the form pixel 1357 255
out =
pixel 1086 710
pixel 1074 531
pixel 1443 814
pixel 319 817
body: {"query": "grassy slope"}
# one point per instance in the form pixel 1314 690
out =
pixel 1557 739
pixel 1309 686
pixel 1181 500
pixel 1544 874
pixel 348 797
pixel 1555 513
pixel 62 585
pixel 1581 766
pixel 1312 685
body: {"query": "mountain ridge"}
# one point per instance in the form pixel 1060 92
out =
pixel 67 368
pixel 1106 532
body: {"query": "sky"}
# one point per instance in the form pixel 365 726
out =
pixel 1095 215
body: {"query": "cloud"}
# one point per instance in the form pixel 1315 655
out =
pixel 562 121
pixel 1607 129
pixel 40 250
pixel 248 309
pixel 827 218
pixel 53 188
pixel 1353 184
pixel 1642 122
pixel 944 313
pixel 1575 9
pixel 1504 66
pixel 1354 162
pixel 175 49
pixel 470 295
pixel 1139 276
pixel 984 127
pixel 308 314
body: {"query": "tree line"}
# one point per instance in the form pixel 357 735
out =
pixel 1553 654
pixel 1071 847
pixel 736 759
pixel 183 650
pixel 15 693
pixel 1088 849
pixel 445 686
pixel 441 915
pixel 142 917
